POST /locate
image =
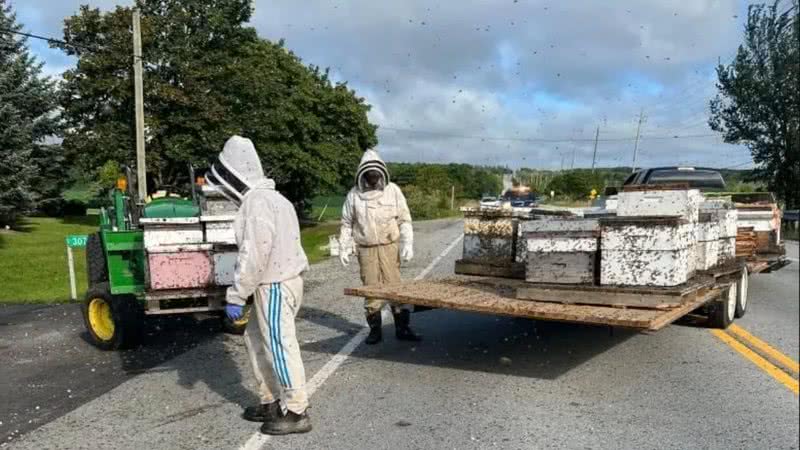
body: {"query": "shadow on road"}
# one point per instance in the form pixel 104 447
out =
pixel 49 368
pixel 166 338
pixel 485 343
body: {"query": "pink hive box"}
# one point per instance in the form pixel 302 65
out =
pixel 181 270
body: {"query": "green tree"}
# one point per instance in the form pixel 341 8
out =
pixel 26 119
pixel 576 184
pixel 758 104
pixel 207 76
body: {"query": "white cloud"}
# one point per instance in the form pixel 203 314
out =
pixel 510 69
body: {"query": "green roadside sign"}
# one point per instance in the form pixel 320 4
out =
pixel 76 240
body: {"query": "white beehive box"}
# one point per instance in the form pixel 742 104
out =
pixel 568 257
pixel 707 254
pixel 726 250
pixel 224 267
pixel 490 237
pixel 214 203
pixel 173 231
pixel 726 216
pixel 561 250
pixel 219 229
pixel 660 203
pixel 728 226
pixel 707 248
pixel 647 252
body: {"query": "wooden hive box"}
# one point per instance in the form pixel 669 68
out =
pixel 652 251
pixel 561 251
pixel 658 201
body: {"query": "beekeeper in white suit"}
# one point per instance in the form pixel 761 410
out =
pixel 375 215
pixel 269 267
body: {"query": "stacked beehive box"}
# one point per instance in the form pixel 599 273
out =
pixel 707 250
pixel 176 254
pixel 561 250
pixel 726 216
pixel 217 215
pixel 765 221
pixel 653 240
pixel 650 251
pixel 491 243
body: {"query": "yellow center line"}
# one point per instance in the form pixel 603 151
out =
pixel 773 371
pixel 765 348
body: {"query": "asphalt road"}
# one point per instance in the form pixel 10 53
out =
pixel 477 381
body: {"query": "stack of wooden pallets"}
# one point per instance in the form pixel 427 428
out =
pixel 746 242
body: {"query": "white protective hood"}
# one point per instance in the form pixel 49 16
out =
pixel 371 161
pixel 237 170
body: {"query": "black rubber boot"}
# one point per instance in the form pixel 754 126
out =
pixel 375 332
pixel 402 329
pixel 262 412
pixel 289 423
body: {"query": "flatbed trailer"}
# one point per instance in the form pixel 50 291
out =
pixel 647 309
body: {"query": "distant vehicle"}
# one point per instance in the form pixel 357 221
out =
pixel 520 197
pixel 490 202
pixel 707 180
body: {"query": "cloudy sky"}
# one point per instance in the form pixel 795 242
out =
pixel 508 82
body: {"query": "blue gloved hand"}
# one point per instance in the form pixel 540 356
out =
pixel 234 312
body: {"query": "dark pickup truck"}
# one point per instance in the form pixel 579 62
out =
pixel 707 180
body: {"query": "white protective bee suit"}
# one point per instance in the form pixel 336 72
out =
pixel 269 267
pixel 379 222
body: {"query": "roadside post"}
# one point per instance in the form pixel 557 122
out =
pixel 74 241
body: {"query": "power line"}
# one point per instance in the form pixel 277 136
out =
pixel 538 140
pixel 47 39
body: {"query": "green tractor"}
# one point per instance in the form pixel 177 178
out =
pixel 167 255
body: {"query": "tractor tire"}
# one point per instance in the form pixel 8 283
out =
pixel 96 268
pixel 237 327
pixel 742 287
pixel 114 322
pixel 722 312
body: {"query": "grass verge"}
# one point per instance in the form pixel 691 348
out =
pixel 33 260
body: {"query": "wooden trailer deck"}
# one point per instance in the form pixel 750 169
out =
pixel 498 296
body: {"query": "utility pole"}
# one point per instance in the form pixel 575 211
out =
pixel 594 155
pixel 452 198
pixel 562 163
pixel 141 167
pixel 572 166
pixel 636 145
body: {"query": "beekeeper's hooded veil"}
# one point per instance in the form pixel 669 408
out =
pixel 375 217
pixel 266 225
pixel 237 170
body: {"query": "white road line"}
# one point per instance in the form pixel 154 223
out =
pixel 257 441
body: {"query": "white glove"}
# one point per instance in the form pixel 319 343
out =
pixel 344 258
pixel 406 242
pixel 407 252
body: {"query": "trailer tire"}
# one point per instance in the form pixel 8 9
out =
pixel 722 312
pixel 237 327
pixel 114 322
pixel 742 287
pixel 96 269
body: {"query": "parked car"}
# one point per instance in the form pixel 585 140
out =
pixel 490 202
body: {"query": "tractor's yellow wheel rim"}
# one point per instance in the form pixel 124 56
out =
pixel 245 317
pixel 100 319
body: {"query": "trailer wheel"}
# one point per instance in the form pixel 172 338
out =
pixel 113 321
pixel 237 326
pixel 722 312
pixel 96 269
pixel 742 287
